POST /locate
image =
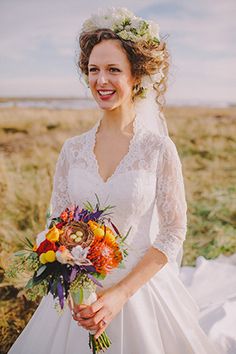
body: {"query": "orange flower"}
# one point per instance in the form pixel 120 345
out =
pixel 105 254
pixel 64 216
pixel 67 214
pixel 35 247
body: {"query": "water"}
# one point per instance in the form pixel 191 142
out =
pixel 57 103
pixel 84 103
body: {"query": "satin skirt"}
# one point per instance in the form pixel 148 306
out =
pixel 162 317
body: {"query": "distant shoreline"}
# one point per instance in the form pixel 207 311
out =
pixel 42 98
pixel 87 102
pixel 47 102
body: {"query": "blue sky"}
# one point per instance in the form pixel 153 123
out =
pixel 38 43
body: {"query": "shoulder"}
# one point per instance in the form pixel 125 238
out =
pixel 77 142
pixel 168 145
pixel 159 142
pixel 168 151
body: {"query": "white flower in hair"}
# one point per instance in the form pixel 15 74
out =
pixel 124 23
pixel 136 23
pixel 154 29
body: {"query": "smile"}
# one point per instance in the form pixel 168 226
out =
pixel 106 93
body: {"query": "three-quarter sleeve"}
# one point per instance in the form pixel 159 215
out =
pixel 170 201
pixel 60 196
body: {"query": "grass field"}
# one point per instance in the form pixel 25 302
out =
pixel 30 140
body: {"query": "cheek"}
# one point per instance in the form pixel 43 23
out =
pixel 91 81
pixel 124 86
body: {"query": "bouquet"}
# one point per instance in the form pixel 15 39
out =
pixel 78 251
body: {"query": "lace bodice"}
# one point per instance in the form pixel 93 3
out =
pixel 146 187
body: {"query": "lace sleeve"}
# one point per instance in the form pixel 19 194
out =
pixel 171 202
pixel 60 196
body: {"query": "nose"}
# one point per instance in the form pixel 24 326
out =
pixel 102 78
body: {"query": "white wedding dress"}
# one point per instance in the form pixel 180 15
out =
pixel 162 317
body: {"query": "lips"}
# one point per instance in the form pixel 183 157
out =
pixel 105 94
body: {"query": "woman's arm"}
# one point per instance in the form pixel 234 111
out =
pixel 172 213
pixel 147 267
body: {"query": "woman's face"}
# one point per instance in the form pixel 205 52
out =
pixel 109 75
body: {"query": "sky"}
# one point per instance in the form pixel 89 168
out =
pixel 38 42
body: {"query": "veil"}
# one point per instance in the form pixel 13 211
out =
pixel 149 108
pixel 154 121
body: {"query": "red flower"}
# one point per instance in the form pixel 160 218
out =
pixel 60 225
pixel 46 246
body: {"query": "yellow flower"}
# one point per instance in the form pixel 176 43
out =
pixel 53 234
pixel 50 256
pixel 98 232
pixel 42 258
pixel 93 224
pixel 109 233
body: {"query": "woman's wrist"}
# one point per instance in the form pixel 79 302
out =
pixel 145 269
pixel 123 291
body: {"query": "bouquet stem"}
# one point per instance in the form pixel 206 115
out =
pixel 84 297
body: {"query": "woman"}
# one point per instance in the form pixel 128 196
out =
pixel 128 158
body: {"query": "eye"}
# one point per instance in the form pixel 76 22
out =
pixel 92 70
pixel 115 70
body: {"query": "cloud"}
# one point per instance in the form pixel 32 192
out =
pixel 38 43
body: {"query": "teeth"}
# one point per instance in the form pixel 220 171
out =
pixel 105 93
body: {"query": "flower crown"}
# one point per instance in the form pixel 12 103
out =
pixel 124 23
pixel 128 27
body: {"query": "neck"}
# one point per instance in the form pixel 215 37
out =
pixel 119 119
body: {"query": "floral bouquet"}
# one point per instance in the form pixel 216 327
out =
pixel 78 251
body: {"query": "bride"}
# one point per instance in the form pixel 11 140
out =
pixel 128 158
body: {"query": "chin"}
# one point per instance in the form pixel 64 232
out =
pixel 107 106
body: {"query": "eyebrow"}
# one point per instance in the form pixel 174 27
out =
pixel 108 65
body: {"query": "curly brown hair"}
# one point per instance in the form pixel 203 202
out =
pixel 144 57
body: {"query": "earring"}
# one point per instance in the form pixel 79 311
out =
pixel 136 89
pixel 139 90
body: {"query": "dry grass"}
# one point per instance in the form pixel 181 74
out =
pixel 30 140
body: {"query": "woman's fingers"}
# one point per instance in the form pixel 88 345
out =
pixel 102 328
pixel 89 311
pixel 75 308
pixel 90 323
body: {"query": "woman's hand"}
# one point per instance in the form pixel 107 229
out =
pixel 107 306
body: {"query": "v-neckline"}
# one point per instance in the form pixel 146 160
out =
pixel 93 143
